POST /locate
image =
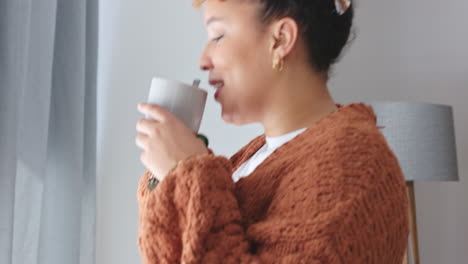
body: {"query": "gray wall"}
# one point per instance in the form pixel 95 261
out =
pixel 404 50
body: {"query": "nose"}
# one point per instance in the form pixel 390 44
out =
pixel 205 60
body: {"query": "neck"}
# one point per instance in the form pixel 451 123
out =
pixel 297 101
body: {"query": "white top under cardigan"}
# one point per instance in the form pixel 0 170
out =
pixel 271 144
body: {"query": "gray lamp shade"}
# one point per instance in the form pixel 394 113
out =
pixel 422 137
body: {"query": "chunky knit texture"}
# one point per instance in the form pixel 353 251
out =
pixel 333 194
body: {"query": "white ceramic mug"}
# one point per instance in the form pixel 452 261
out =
pixel 185 101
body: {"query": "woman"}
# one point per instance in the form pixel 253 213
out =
pixel 320 186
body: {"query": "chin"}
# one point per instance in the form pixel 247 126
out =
pixel 229 119
pixel 233 119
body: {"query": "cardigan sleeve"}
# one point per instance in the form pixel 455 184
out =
pixel 193 217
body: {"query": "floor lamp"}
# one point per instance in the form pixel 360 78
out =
pixel 422 137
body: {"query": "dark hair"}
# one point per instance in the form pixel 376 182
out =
pixel 324 31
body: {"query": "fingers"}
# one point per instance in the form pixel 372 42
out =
pixel 147 126
pixel 154 111
pixel 141 141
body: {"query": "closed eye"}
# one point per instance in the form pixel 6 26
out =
pixel 218 38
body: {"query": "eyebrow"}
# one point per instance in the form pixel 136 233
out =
pixel 213 19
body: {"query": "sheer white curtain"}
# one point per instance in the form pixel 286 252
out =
pixel 48 57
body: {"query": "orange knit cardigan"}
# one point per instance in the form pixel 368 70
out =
pixel 333 194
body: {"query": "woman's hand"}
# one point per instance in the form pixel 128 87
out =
pixel 165 140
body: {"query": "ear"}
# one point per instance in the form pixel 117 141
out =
pixel 283 36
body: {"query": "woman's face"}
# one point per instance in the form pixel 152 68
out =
pixel 238 58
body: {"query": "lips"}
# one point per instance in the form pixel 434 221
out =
pixel 216 95
pixel 218 84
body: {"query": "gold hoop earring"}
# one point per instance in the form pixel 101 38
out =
pixel 278 63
